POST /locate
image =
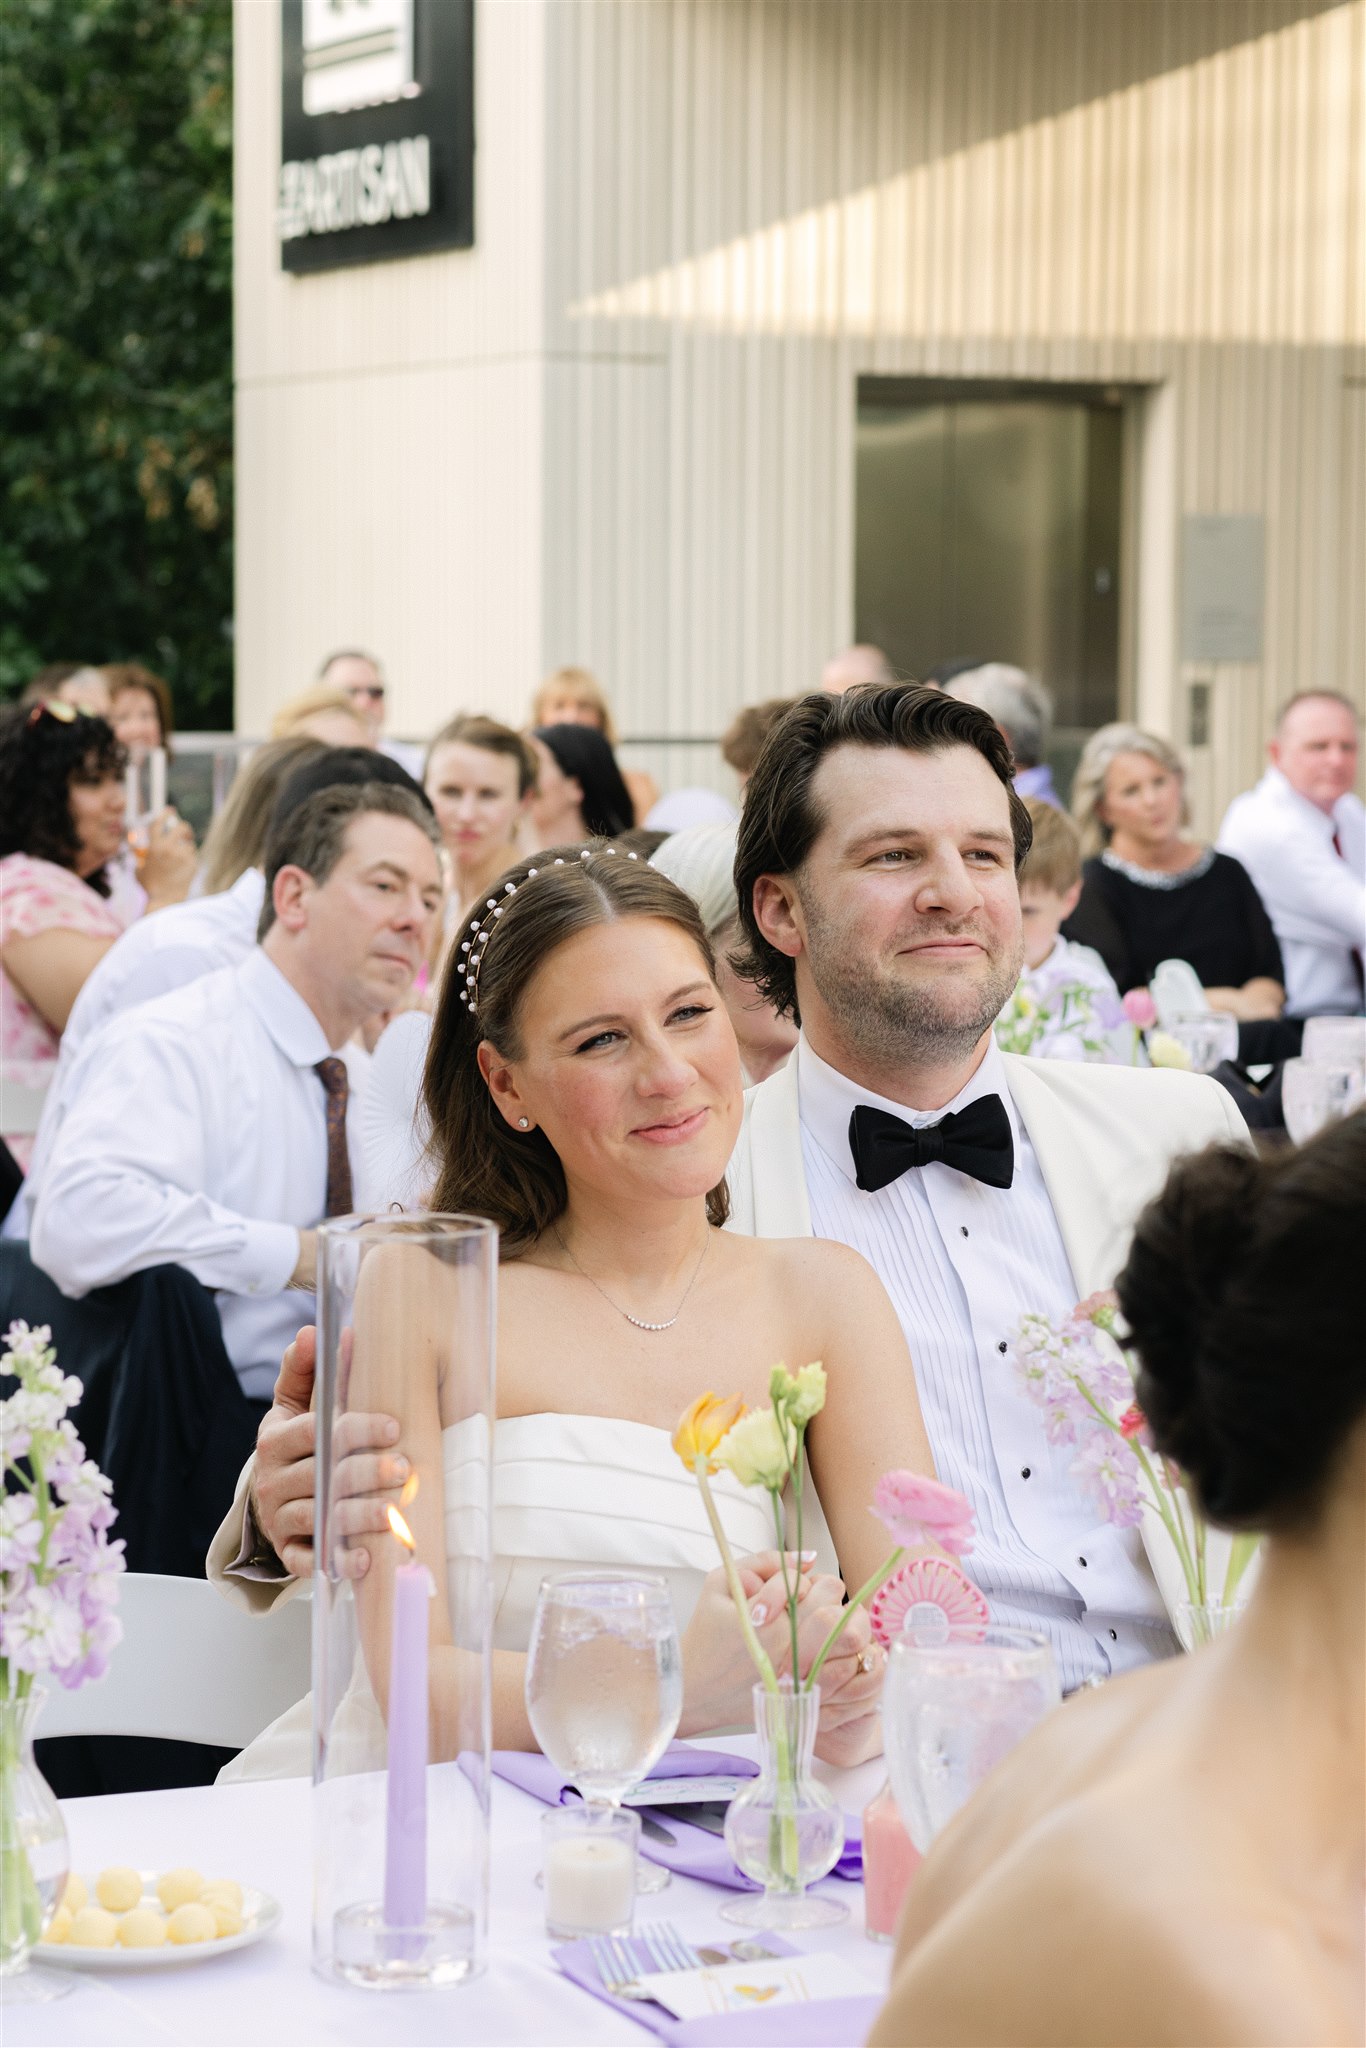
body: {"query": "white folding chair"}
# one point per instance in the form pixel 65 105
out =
pixel 190 1667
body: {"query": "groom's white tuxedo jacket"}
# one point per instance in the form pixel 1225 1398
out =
pixel 1104 1138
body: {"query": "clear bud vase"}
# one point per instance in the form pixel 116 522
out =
pixel 1204 1621
pixel 33 1857
pixel 402 1656
pixel 785 1830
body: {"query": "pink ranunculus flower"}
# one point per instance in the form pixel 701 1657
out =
pixel 1140 1009
pixel 1133 1427
pixel 917 1510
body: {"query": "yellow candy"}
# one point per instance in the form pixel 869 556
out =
pixel 118 1889
pixel 142 1928
pixel 222 1891
pixel 192 1923
pixel 61 1925
pixel 178 1888
pixel 75 1896
pixel 227 1920
pixel 93 1927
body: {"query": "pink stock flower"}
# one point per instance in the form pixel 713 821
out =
pixel 1109 1471
pixel 917 1510
pixel 1140 1009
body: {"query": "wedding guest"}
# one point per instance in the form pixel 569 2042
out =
pixel 480 777
pixel 743 739
pixel 360 679
pixel 1179 1857
pixel 1151 893
pixel 1023 709
pixel 702 862
pixel 579 790
pixel 236 840
pixel 682 810
pixel 861 663
pixel 43 686
pixel 243 1148
pixel 876 874
pixel 1301 835
pixel 583 1091
pixel 574 696
pixel 61 823
pixel 210 931
pixel 323 714
pixel 1075 1005
pixel 140 707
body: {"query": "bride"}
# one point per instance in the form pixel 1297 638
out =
pixel 583 1090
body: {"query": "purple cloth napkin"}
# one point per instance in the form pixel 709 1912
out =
pixel 826 2023
pixel 693 1852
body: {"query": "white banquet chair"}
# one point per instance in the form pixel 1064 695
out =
pixel 190 1668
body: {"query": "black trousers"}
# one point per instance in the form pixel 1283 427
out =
pixel 164 1416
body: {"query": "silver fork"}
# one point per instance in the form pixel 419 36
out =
pixel 615 1968
pixel 667 1947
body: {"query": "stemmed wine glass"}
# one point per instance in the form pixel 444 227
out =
pixel 604 1683
pixel 953 1705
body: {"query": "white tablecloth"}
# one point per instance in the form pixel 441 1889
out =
pixel 269 1993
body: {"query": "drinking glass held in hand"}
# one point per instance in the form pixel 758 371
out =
pixel 952 1707
pixel 604 1683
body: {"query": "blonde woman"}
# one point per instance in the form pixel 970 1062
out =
pixel 1150 892
pixel 574 696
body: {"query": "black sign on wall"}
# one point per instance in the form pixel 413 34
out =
pixel 376 130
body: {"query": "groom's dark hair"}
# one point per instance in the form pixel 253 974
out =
pixel 782 820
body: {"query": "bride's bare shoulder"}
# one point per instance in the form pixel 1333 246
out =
pixel 817 1263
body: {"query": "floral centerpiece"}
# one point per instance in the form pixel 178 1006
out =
pixel 1082 1376
pixel 58 1587
pixel 1060 1018
pixel 785 1830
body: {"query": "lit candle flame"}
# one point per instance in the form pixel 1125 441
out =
pixel 400 1528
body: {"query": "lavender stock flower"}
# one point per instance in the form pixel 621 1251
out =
pixel 1109 1471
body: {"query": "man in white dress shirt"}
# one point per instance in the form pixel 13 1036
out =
pixel 191 939
pixel 876 873
pixel 1301 835
pixel 209 1131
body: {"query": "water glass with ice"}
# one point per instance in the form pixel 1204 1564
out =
pixel 953 1705
pixel 604 1682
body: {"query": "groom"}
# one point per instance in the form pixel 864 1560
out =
pixel 876 872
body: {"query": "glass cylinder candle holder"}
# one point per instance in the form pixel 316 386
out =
pixel 589 1869
pixel 402 1654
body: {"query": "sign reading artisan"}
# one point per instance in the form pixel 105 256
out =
pixel 377 130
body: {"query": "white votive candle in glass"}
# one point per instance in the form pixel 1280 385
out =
pixel 590 1870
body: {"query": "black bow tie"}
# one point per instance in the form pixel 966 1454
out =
pixel 975 1140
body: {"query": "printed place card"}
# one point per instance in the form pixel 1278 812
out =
pixel 741 1987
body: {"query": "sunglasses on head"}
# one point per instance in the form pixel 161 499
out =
pixel 55 707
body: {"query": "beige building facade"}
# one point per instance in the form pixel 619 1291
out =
pixel 624 429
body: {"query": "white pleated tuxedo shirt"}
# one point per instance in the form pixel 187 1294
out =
pixel 963 1263
pixel 197 1137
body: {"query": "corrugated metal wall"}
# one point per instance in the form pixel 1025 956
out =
pixel 739 206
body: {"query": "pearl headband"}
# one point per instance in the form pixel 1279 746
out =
pixel 481 928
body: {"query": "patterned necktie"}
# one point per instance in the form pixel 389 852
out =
pixel 332 1074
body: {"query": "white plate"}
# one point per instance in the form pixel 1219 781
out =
pixel 260 1915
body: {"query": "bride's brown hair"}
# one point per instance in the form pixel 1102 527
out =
pixel 483 1166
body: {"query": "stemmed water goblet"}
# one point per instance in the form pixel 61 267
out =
pixel 604 1683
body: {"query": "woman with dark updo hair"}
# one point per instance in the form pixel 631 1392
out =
pixel 1179 1857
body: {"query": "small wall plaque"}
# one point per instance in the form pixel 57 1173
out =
pixel 1221 587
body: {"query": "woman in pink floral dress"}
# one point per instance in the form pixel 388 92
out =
pixel 61 821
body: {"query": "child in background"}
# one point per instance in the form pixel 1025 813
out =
pixel 1066 1005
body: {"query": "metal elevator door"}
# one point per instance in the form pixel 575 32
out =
pixel 987 524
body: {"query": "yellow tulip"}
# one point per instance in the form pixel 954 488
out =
pixel 702 1426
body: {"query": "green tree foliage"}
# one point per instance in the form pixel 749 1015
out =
pixel 116 341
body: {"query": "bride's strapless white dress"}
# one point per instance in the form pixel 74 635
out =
pixel 570 1492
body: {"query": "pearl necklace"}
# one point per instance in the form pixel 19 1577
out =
pixel 638 1321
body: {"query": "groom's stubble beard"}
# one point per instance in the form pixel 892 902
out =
pixel 889 1020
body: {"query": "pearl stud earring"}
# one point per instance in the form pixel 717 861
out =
pixel 524 1123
